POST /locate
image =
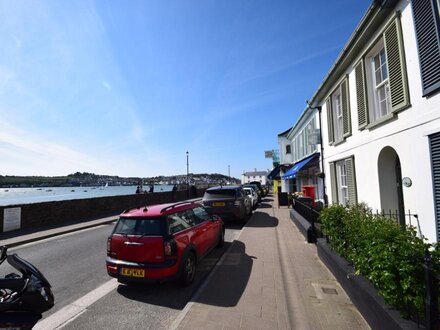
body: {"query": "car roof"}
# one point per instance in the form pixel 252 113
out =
pixel 223 188
pixel 158 210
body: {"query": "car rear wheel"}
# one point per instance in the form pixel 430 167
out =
pixel 188 269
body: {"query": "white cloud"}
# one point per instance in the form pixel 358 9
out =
pixel 17 41
pixel 25 153
pixel 106 85
pixel 287 66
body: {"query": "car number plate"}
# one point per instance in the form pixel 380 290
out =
pixel 218 204
pixel 133 272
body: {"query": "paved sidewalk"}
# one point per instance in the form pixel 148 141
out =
pixel 270 278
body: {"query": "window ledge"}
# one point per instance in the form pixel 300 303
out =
pixel 381 121
pixel 336 143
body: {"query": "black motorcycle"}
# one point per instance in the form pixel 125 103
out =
pixel 23 298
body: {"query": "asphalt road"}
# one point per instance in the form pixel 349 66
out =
pixel 75 265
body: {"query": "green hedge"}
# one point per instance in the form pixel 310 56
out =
pixel 389 255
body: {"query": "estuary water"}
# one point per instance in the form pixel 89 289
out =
pixel 14 196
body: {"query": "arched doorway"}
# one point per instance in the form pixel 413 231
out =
pixel 390 184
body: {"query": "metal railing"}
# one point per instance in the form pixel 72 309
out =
pixel 310 214
pixel 432 320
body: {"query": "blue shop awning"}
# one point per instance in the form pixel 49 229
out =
pixel 275 172
pixel 290 174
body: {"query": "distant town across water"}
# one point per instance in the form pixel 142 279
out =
pixel 16 190
pixel 15 196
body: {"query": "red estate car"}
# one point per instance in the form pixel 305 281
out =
pixel 160 242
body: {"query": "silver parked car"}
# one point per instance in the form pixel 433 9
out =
pixel 250 192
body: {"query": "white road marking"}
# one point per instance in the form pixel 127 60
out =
pixel 73 310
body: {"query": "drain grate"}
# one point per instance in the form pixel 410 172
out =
pixel 329 291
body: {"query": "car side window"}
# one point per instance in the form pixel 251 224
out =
pixel 188 217
pixel 176 223
pixel 201 215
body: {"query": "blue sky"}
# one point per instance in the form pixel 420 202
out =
pixel 127 87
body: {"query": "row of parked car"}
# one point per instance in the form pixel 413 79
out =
pixel 234 202
pixel 166 241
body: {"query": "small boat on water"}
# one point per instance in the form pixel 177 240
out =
pixel 49 190
pixel 6 190
pixel 72 190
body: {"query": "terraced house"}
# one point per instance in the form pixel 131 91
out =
pixel 380 106
pixel 300 155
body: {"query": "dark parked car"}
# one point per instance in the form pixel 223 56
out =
pixel 228 201
pixel 259 185
pixel 161 242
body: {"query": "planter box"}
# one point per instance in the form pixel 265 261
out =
pixel 303 225
pixel 362 293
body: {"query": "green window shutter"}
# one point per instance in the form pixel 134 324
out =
pixel 331 136
pixel 346 116
pixel 396 66
pixel 361 95
pixel 333 186
pixel 351 180
pixel 427 27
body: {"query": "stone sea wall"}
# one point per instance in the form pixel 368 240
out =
pixel 34 215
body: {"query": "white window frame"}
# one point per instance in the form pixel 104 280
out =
pixel 310 128
pixel 295 150
pixel 378 109
pixel 338 119
pixel 341 181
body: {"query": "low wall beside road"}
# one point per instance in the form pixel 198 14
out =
pixel 25 216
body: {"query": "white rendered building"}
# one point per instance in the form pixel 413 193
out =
pixel 260 176
pixel 380 106
pixel 302 149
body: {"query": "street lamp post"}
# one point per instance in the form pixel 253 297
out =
pixel 187 172
pixel 229 172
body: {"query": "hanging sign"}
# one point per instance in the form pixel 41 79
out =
pixel 268 154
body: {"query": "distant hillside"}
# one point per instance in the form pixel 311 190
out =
pixel 91 179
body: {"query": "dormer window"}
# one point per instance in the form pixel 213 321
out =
pixel 288 149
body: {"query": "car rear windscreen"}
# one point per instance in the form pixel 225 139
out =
pixel 211 194
pixel 139 226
